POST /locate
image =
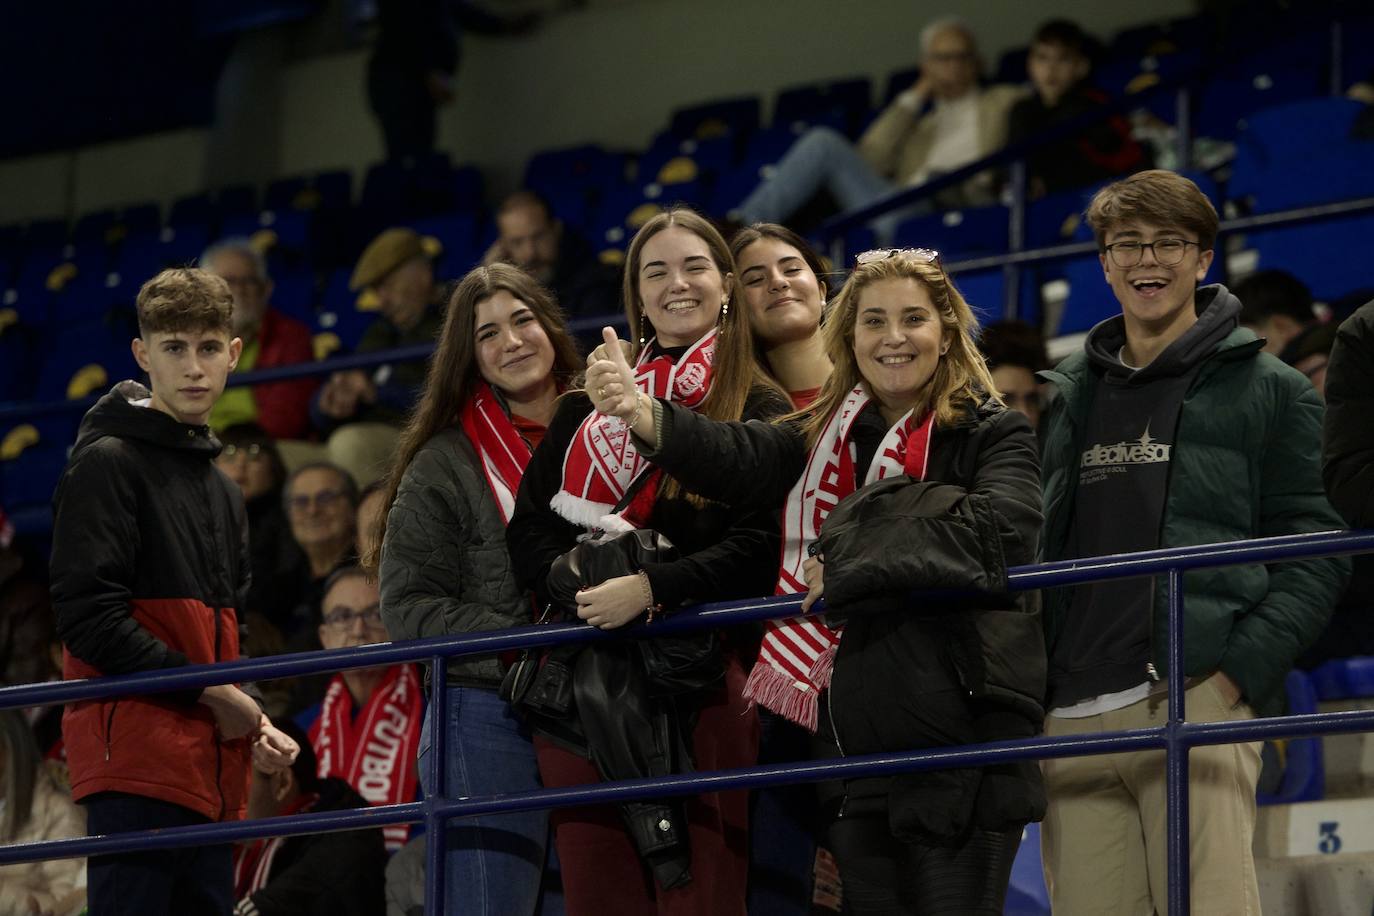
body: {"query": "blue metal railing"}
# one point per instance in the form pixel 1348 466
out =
pixel 1175 737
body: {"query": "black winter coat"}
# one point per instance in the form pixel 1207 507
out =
pixel 325 874
pixel 1348 437
pixel 910 675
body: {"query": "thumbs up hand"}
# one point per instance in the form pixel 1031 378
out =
pixel 611 387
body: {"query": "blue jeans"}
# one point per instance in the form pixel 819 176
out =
pixel 494 864
pixel 822 158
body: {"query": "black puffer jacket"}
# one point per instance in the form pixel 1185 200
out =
pixel 970 668
pixel 1348 437
pixel 444 566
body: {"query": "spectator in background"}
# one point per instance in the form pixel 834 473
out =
pixel 321 500
pixel 270 339
pixel 1059 63
pixel 250 459
pixel 368 730
pixel 1015 351
pixel 317 874
pixel 414 61
pixel 1275 305
pixel 360 411
pixel 371 506
pixel 943 122
pixel 36 809
pixel 555 255
pixel 1310 353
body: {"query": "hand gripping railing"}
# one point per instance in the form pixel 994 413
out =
pixel 1175 737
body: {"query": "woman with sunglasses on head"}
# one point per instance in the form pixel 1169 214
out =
pixel 905 474
pixel 694 349
pixel 780 278
pixel 503 357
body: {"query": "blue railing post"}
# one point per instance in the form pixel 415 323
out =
pixel 1183 119
pixel 435 823
pixel 1016 237
pixel 1176 756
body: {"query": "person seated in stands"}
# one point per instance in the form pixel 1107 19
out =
pixel 329 874
pixel 368 730
pixel 270 339
pixel 1276 305
pixel 1015 351
pixel 1059 64
pixel 558 257
pixel 321 500
pixel 371 504
pixel 360 410
pixel 1310 353
pixel 35 809
pixel 946 120
pixel 251 460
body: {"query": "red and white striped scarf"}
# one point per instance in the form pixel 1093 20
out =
pixel 374 751
pixel 602 461
pixel 504 453
pixel 797 655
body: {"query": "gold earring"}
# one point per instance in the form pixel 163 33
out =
pixel 642 322
pixel 724 307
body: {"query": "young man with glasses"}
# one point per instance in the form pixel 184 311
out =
pixel 1171 429
pixel 368 731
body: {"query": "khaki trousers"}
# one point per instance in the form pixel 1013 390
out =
pixel 1104 842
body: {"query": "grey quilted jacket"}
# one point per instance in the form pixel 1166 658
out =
pixel 444 567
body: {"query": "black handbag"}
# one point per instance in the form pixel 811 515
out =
pixel 673 665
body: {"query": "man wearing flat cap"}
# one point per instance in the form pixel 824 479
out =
pixel 361 410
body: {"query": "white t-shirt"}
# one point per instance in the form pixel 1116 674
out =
pixel 956 137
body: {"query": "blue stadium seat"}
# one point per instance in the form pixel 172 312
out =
pixel 672 160
pixel 1275 143
pixel 1026 892
pixel 143 254
pixel 982 290
pixel 86 360
pixel 713 119
pixel 1229 99
pixel 957 234
pixel 588 166
pixel 1344 678
pixel 457 233
pixel 293 293
pixel 340 324
pixel 1304 771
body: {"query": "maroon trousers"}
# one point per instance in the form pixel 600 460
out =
pixel 601 871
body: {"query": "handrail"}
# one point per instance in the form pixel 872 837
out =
pixel 1176 736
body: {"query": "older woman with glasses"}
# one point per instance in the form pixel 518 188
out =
pixel 906 473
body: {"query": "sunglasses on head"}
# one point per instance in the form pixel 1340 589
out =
pixel 929 255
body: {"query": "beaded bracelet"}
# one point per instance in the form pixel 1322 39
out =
pixel 650 608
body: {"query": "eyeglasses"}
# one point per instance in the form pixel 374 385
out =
pixel 323 500
pixel 1167 252
pixel 242 452
pixel 929 255
pixel 341 618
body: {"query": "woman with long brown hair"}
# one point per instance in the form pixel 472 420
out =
pixel 692 346
pixel 906 473
pixel 502 359
pixel 782 283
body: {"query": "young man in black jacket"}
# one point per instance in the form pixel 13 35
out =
pixel 149 568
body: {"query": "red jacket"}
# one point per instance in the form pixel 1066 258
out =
pixel 284 407
pixel 150 560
